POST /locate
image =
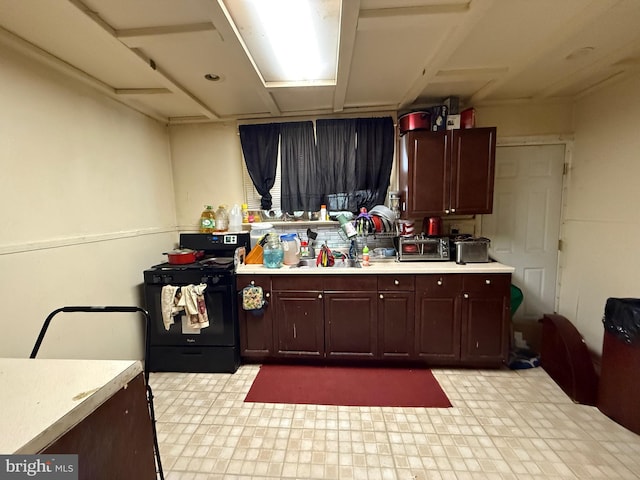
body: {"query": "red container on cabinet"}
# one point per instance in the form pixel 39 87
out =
pixel 414 121
pixel 468 118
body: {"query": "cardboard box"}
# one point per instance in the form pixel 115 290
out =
pixel 453 122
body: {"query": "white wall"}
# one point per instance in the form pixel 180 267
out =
pixel 207 169
pixel 602 222
pixel 522 119
pixel 86 196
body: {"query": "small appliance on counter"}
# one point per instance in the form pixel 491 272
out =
pixel 422 249
pixel 471 249
pixel 432 226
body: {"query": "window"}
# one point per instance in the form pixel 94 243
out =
pixel 344 163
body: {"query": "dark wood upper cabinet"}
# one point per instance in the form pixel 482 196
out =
pixel 448 172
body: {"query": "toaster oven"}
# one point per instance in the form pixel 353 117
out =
pixel 471 250
pixel 423 249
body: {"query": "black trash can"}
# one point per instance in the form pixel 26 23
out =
pixel 619 388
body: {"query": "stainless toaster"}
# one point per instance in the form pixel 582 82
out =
pixel 472 250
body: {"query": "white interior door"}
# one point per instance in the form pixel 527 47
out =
pixel 525 225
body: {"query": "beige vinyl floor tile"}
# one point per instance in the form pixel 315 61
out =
pixel 503 425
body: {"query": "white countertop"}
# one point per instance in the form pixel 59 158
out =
pixel 381 267
pixel 41 399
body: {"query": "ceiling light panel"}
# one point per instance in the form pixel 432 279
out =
pixel 290 42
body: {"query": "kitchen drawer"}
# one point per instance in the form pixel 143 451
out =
pixel 260 280
pixel 340 283
pixel 439 285
pixel 297 282
pixel 400 283
pixel 489 283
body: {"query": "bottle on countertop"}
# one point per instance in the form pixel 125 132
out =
pixel 245 213
pixel 207 220
pixel 304 249
pixel 235 218
pixel 365 256
pixel 222 219
pixel 323 213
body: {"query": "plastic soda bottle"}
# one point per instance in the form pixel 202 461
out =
pixel 365 256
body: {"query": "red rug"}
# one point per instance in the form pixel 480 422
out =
pixel 368 387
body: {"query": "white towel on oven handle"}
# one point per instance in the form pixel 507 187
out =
pixel 168 304
pixel 195 305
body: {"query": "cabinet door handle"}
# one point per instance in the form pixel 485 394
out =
pixel 319 295
pixel 453 210
pixel 381 296
pixel 446 211
pixel 487 281
pixel 253 282
pixel 439 282
pixel 267 294
pixel 466 295
pixel 396 282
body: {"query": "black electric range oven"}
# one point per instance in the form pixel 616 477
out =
pixel 178 346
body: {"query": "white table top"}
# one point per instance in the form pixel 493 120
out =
pixel 381 268
pixel 41 399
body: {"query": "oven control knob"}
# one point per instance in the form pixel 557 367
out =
pixel 156 279
pixel 204 279
pixel 167 279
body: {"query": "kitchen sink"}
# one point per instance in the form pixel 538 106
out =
pixel 339 263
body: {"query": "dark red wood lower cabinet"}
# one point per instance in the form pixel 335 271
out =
pixel 116 440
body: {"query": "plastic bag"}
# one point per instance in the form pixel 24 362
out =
pixel 622 318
